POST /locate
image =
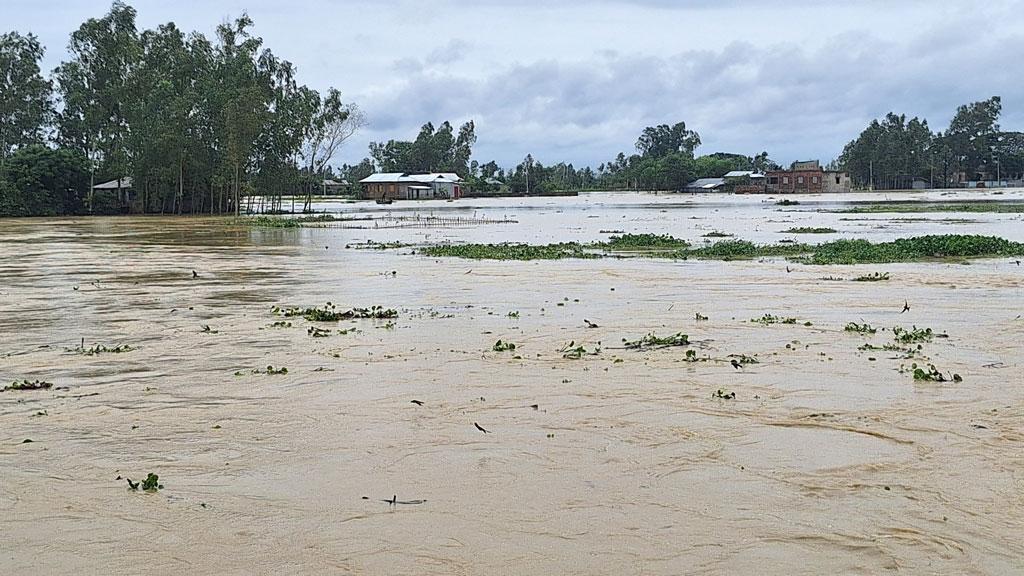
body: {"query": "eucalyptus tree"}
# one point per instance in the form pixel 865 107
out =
pixel 95 91
pixel 332 124
pixel 25 103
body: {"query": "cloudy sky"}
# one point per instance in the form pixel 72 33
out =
pixel 578 80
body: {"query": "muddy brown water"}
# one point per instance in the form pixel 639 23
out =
pixel 825 462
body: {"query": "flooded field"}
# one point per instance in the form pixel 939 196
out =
pixel 769 447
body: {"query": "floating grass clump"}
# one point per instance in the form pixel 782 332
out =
pixel 510 251
pixel 270 371
pixel 330 313
pixel 920 248
pixel 26 385
pixel 875 277
pixel 860 328
pixel 930 373
pixel 317 332
pixel 911 207
pixel 717 234
pixel 916 249
pixel 653 341
pixel 915 335
pixel 100 349
pixel 810 230
pixel 643 242
pixel 572 352
pixel 769 319
pixel 500 346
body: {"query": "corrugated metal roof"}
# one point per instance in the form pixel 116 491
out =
pixel 126 182
pixel 384 177
pixel 706 183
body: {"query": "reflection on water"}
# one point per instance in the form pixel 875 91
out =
pixel 616 463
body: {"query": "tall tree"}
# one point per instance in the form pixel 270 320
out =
pixel 658 141
pixel 25 102
pixel 94 89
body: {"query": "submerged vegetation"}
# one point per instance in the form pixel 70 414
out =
pixel 331 313
pixel 26 385
pixel 916 249
pixel 875 277
pixel 809 230
pixel 924 207
pixel 653 341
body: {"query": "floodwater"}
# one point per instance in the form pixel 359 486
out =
pixel 828 461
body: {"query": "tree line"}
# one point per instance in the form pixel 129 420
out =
pixel 893 153
pixel 200 125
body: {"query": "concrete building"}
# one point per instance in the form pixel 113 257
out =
pixel 807 177
pixel 404 186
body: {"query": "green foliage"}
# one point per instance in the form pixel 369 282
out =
pixel 924 207
pixel 915 249
pixel 26 385
pixel 572 352
pixel 723 395
pixel 769 319
pixel 930 373
pixel 810 230
pixel 331 313
pixel 25 100
pixel 644 242
pixel 653 341
pixel 860 328
pixel 509 251
pixel 874 277
pixel 500 346
pixel 914 335
pixel 100 349
pixel 152 483
pixel 39 181
pixel 433 150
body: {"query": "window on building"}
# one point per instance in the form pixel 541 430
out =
pixel 773 180
pixel 837 179
pixel 785 179
pixel 814 179
pixel 799 179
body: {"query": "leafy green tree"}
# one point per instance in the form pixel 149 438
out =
pixel 658 141
pixel 94 87
pixel 40 181
pixel 25 101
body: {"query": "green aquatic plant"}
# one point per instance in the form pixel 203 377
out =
pixel 26 385
pixel 769 319
pixel 930 373
pixel 923 207
pixel 653 341
pixel 270 371
pixel 723 395
pixel 513 314
pixel 510 251
pixel 915 335
pixel 810 230
pixel 100 349
pixel 718 234
pixel 860 328
pixel 316 332
pixel 642 242
pixel 572 352
pixel 875 277
pixel 700 317
pixel 500 346
pixel 743 359
pixel 331 313
pixel 920 248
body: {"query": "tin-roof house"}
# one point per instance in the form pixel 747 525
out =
pixel 404 186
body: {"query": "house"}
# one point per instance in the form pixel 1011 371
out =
pixel 705 185
pixel 404 186
pixel 806 178
pixel 334 187
pixel 745 182
pixel 118 193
